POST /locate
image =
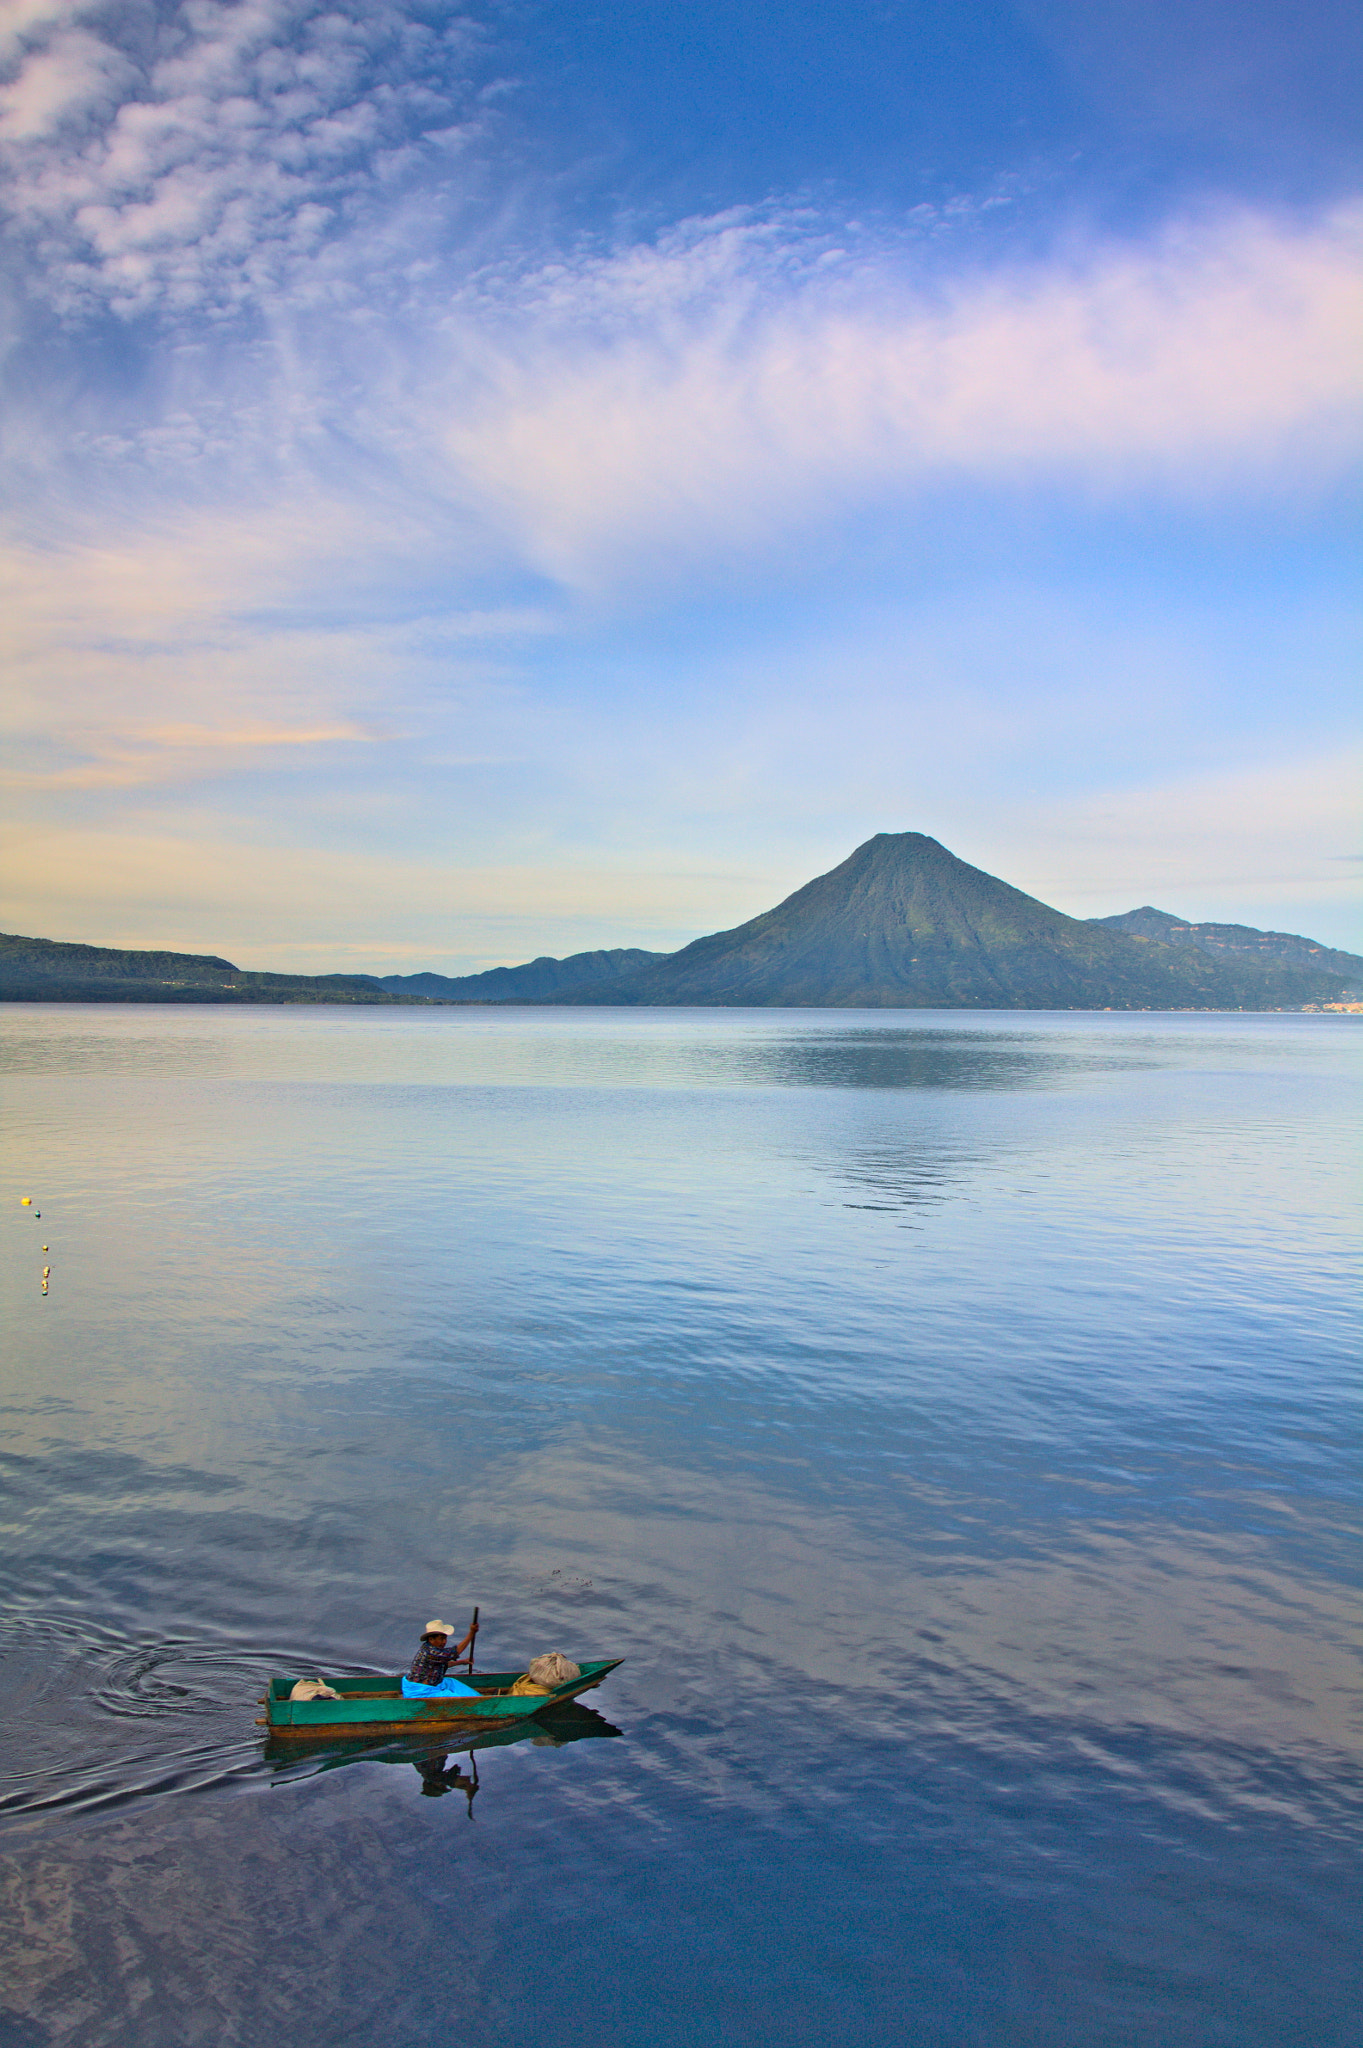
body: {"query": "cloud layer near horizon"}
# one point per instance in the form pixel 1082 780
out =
pixel 1258 830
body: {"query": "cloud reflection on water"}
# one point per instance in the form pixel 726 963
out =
pixel 990 1574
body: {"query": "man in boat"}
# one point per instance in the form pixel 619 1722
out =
pixel 428 1678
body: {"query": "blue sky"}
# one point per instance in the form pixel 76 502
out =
pixel 494 482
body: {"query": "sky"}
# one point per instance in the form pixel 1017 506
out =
pixel 497 481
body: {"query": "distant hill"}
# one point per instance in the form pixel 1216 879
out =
pixel 52 971
pixel 537 979
pixel 1278 949
pixel 902 923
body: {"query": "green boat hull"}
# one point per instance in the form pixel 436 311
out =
pixel 374 1706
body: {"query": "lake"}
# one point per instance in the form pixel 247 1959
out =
pixel 952 1419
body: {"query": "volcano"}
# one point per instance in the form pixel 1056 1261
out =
pixel 904 924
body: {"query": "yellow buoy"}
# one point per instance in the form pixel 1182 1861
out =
pixel 25 1201
pixel 46 1271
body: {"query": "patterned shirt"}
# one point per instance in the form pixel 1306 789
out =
pixel 429 1664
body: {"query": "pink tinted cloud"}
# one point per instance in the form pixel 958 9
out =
pixel 661 400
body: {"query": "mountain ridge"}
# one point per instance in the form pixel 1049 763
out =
pixel 544 976
pixel 61 970
pixel 901 923
pixel 1280 949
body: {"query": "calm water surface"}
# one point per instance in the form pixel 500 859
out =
pixel 953 1420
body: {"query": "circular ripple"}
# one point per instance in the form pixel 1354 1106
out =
pixel 147 1681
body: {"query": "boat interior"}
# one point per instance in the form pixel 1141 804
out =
pixel 376 1686
pixel 491 1684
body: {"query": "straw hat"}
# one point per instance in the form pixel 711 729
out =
pixel 439 1628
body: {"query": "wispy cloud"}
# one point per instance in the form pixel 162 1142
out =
pixel 195 736
pixel 1256 845
pixel 258 898
pixel 1204 845
pixel 173 753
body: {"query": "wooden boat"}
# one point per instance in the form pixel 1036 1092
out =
pixel 374 1705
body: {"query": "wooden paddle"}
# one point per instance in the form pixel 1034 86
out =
pixel 473 1637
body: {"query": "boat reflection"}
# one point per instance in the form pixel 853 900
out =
pixel 437 1778
pixel 430 1756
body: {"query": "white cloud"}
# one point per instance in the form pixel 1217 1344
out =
pixel 23 21
pixel 198 169
pixel 75 74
